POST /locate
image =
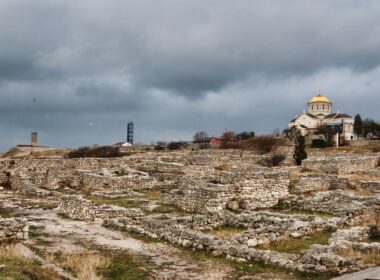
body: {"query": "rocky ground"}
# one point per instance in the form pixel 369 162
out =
pixel 191 215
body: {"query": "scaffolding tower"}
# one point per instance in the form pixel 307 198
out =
pixel 130 132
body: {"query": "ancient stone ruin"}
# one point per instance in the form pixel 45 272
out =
pixel 215 201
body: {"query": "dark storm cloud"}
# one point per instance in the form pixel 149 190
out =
pixel 78 72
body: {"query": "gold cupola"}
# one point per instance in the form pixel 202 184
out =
pixel 319 105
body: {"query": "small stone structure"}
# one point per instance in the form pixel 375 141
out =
pixel 13 230
pixel 258 187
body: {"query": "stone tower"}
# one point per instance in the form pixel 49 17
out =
pixel 34 139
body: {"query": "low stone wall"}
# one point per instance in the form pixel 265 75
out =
pixel 341 163
pixel 363 142
pixel 81 209
pixel 13 230
pixel 241 247
pixel 338 203
pixel 123 182
pixel 373 186
pixel 313 182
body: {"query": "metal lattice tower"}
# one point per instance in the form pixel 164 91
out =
pixel 130 132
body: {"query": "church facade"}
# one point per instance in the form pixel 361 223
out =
pixel 319 113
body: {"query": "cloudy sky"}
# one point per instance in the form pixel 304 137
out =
pixel 78 71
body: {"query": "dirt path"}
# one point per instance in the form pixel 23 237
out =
pixel 171 262
pixel 368 274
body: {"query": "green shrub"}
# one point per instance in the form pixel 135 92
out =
pixel 299 150
pixel 319 143
pixel 262 144
pixel 272 161
pixel 374 233
pixel 98 152
pixel 172 146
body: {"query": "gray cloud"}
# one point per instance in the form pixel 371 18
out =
pixel 176 66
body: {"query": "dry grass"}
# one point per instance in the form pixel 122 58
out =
pixel 168 209
pixel 152 195
pixel 122 202
pixel 56 153
pixel 370 218
pixel 9 253
pixel 223 167
pixel 20 268
pixel 361 176
pixel 310 170
pixel 368 257
pixel 10 153
pixel 295 246
pixel 83 266
pixel 345 149
pixel 361 192
pixel 225 232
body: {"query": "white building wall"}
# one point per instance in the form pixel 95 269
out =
pixel 307 121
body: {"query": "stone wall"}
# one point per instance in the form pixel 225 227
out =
pixel 197 196
pixel 264 188
pixel 246 188
pixel 363 142
pixel 92 174
pixel 341 163
pixel 312 182
pixel 338 202
pixel 81 209
pixel 13 230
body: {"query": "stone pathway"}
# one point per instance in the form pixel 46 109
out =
pixel 171 262
pixel 367 274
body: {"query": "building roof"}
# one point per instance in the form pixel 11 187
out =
pixel 337 116
pixel 307 114
pixel 122 144
pixel 319 98
pixel 312 116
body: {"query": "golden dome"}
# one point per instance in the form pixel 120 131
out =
pixel 319 98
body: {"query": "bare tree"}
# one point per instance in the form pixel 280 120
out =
pixel 200 136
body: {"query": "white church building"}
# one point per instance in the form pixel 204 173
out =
pixel 319 113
